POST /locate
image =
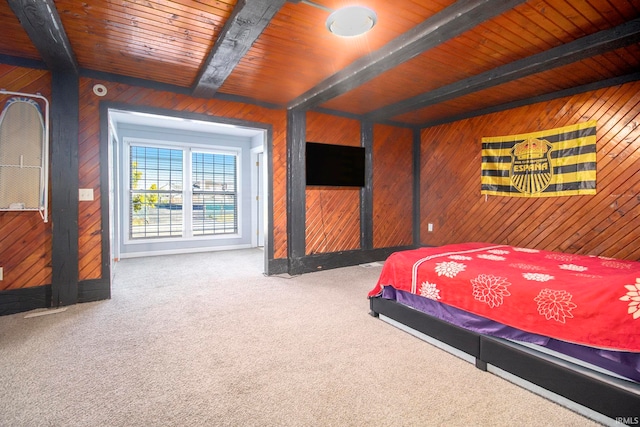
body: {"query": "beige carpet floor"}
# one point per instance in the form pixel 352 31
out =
pixel 208 340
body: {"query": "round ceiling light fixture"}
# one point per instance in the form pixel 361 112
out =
pixel 351 21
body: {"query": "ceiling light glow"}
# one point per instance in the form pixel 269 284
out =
pixel 351 21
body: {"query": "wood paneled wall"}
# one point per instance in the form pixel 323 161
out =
pixel 607 224
pixel 89 151
pixel 332 214
pixel 392 186
pixel 25 239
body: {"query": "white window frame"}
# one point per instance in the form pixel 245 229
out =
pixel 187 223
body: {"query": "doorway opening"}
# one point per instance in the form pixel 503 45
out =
pixel 183 185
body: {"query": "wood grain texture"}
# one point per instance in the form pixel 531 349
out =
pixel 169 41
pixel 526 30
pixel 165 41
pixel 89 217
pixel 605 224
pixel 332 214
pixel 14 40
pixel 392 186
pixel 25 240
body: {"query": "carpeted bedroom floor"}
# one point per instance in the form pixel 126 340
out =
pixel 208 340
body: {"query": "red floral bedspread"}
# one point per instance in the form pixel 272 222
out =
pixel 588 300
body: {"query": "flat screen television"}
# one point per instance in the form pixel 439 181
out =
pixel 334 165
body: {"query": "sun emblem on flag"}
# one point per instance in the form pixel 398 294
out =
pixel 531 170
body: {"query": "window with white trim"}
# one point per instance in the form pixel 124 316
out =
pixel 214 193
pixel 160 203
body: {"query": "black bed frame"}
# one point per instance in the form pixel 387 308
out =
pixel 613 397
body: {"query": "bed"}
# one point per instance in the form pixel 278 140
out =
pixel 563 325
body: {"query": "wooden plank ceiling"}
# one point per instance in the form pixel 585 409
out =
pixel 425 62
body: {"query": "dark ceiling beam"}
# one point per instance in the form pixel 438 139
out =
pixel 585 47
pixel 41 21
pixel 445 25
pixel 247 21
pixel 589 87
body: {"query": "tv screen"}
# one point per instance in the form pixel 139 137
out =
pixel 335 165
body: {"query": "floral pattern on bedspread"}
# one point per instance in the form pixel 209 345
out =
pixel 588 300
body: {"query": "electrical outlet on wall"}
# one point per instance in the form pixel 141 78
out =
pixel 1 273
pixel 430 227
pixel 85 194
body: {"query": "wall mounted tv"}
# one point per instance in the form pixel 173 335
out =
pixel 334 165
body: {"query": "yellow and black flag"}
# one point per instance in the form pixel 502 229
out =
pixel 556 162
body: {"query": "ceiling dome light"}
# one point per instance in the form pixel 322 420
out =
pixel 351 21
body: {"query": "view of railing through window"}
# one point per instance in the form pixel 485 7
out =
pixel 157 204
pixel 156 179
pixel 214 198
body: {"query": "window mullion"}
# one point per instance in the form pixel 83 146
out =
pixel 187 197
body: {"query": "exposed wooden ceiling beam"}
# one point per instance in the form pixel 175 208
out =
pixel 447 24
pixel 585 47
pixel 41 21
pixel 247 21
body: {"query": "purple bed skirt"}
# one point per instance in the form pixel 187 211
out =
pixel 625 364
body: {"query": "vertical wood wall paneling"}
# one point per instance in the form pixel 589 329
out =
pixel 64 188
pixel 332 213
pixel 604 224
pixel 25 240
pixel 296 132
pixel 366 193
pixel 392 186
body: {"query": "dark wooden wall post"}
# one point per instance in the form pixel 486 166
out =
pixel 366 193
pixel 65 100
pixel 296 185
